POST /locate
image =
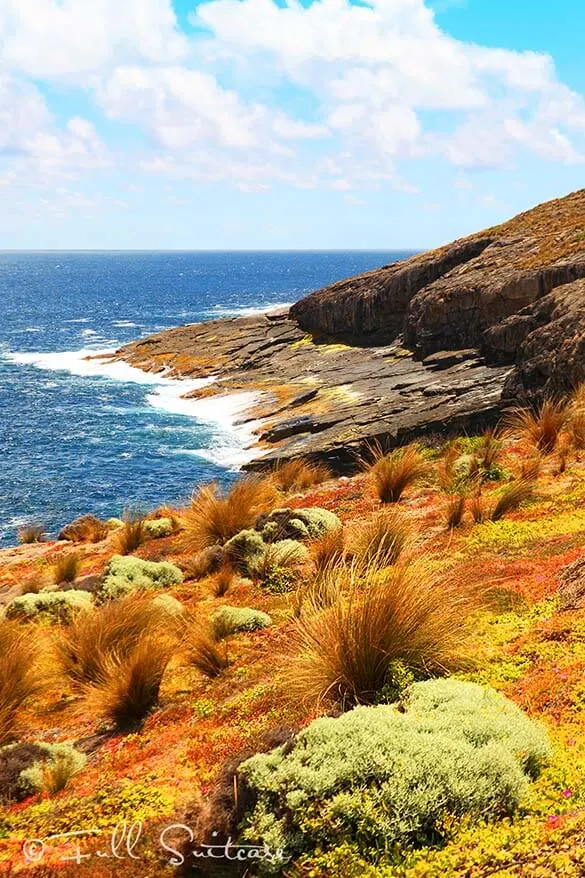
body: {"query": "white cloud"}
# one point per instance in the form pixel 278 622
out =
pixel 378 70
pixel 48 38
pixel 23 113
pixel 180 107
pixel 35 145
pixel 330 94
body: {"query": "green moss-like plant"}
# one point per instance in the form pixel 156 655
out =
pixel 231 620
pixel 168 604
pixel 244 550
pixel 52 773
pixel 114 523
pixel 297 524
pixel 49 606
pixel 158 527
pixel 384 776
pixel 125 574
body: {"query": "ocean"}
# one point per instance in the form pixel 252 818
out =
pixel 78 437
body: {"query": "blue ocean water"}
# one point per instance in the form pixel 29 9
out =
pixel 76 439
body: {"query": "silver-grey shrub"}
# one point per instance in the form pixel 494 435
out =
pixel 394 774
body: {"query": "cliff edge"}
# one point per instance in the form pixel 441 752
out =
pixel 442 341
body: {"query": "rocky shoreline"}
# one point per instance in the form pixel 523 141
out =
pixel 439 343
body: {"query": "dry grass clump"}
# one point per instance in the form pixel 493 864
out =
pixel 66 567
pixel 132 535
pixel 32 533
pixel 375 631
pixel 56 773
pixel 86 649
pixel 576 429
pixel 563 452
pixel 202 651
pixel 530 468
pixel 393 473
pixel 287 555
pixel 203 563
pixel 509 500
pixel 328 550
pixel 490 451
pixel 299 474
pixel 216 516
pixel 223 580
pixel 33 583
pixel 455 510
pixel 539 427
pixel 381 540
pixel 19 675
pixel 130 687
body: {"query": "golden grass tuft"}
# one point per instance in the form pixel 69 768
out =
pixel 131 535
pixel 19 676
pixel 347 652
pixel 328 550
pixel 490 451
pixel 563 452
pixel 202 651
pixel 215 516
pixel 130 687
pixel 32 533
pixel 539 427
pixel 222 581
pixel 381 540
pixel 530 468
pixel 85 650
pixel 509 500
pixel 299 474
pixel 455 510
pixel 66 567
pixel 393 473
pixel 576 429
pixel 56 774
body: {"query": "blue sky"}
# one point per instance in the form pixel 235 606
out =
pixel 254 124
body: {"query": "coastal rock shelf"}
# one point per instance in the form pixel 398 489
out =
pixel 325 399
pixel 441 342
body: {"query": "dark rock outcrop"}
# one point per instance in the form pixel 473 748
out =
pixel 440 342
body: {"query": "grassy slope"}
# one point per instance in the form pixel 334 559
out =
pixel 534 654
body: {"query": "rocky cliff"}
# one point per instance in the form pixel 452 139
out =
pixel 444 340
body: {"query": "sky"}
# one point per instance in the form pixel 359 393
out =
pixel 279 124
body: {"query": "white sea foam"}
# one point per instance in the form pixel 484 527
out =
pixel 230 442
pixel 226 311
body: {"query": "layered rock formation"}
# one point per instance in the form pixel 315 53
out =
pixel 442 341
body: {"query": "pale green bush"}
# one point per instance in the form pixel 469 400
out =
pixel 385 776
pixel 244 549
pixel 49 606
pixel 168 604
pixel 230 620
pixel 158 527
pixel 297 524
pixel 53 773
pixel 125 574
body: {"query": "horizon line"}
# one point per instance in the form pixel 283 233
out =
pixel 217 250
